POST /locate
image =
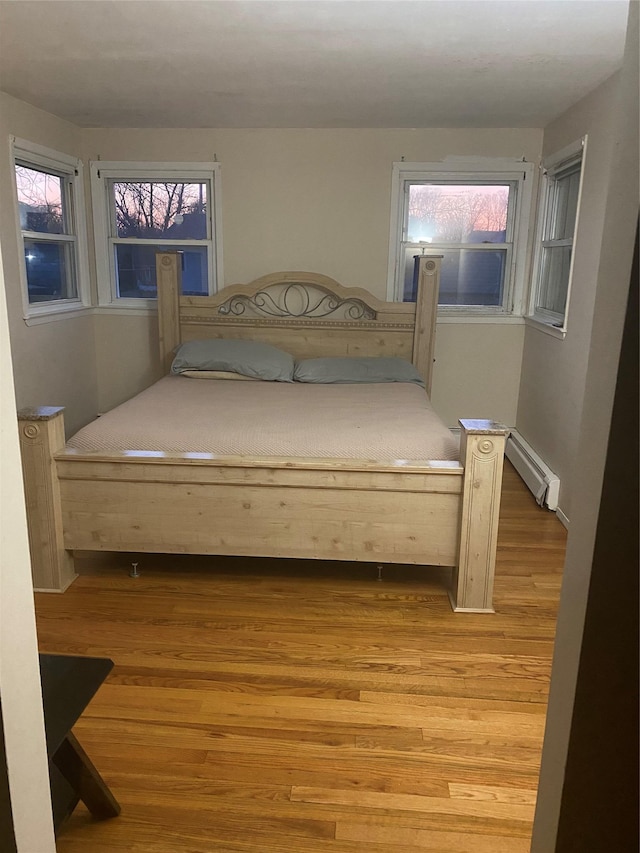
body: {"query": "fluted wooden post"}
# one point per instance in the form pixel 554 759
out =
pixel 169 281
pixel 41 436
pixel 424 342
pixel 482 455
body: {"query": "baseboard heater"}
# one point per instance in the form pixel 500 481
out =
pixel 540 479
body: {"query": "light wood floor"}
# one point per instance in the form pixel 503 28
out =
pixel 288 707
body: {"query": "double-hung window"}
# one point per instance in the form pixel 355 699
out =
pixel 50 215
pixel 557 221
pixel 143 208
pixel 474 215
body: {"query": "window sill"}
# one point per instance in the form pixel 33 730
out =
pixel 546 328
pixel 59 312
pixel 488 319
pixel 66 312
pixel 127 310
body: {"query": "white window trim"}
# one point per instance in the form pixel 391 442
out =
pixel 101 170
pixel 533 318
pixel 455 169
pixel 546 327
pixel 47 158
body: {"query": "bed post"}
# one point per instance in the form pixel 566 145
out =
pixel 481 454
pixel 424 336
pixel 168 277
pixel 41 437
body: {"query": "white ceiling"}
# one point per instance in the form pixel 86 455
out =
pixel 308 63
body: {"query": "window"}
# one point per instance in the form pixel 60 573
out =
pixel 558 216
pixel 50 213
pixel 473 217
pixel 140 209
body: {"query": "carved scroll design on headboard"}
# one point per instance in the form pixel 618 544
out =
pixel 296 300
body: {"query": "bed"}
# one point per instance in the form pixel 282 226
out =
pixel 320 496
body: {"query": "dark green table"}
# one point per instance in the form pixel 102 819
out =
pixel 68 685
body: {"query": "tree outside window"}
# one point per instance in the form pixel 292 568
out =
pixel 140 209
pixel 145 214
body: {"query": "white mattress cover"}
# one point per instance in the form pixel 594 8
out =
pixel 229 418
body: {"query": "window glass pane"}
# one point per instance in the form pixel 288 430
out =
pixel 468 276
pixel 457 213
pixel 49 270
pixel 136 270
pixel 554 279
pixel 40 201
pixel 566 206
pixel 159 210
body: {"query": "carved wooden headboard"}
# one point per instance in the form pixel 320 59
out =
pixel 307 314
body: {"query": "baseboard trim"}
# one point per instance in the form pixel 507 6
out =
pixel 540 479
pixel 562 518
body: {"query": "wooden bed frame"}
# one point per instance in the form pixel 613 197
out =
pixel 401 511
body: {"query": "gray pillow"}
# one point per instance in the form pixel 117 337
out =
pixel 356 370
pixel 247 358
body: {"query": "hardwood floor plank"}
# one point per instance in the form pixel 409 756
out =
pixel 374 839
pixel 457 710
pixel 495 809
pixel 487 792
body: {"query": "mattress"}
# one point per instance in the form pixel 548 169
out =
pixel 229 418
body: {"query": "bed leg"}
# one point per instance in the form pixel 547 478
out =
pixel 482 454
pixel 379 573
pixel 41 437
pixel 134 573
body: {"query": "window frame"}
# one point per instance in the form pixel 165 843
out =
pixel 103 174
pixel 551 168
pixel 70 170
pixel 459 171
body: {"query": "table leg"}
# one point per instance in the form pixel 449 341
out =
pixel 76 766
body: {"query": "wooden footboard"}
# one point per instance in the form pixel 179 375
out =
pixel 431 513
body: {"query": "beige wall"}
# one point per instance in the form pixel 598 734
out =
pixel 127 359
pixel 477 372
pixel 54 363
pixel 319 200
pixel 554 371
